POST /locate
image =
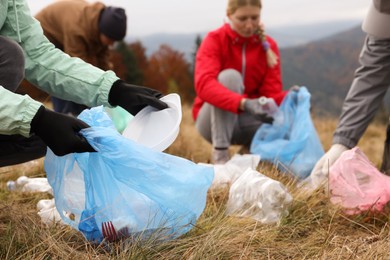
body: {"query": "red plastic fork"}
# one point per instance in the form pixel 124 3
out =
pixel 109 231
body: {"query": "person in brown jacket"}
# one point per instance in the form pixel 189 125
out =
pixel 84 30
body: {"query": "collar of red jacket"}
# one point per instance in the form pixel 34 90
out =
pixel 238 39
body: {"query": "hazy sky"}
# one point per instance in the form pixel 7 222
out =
pixel 180 16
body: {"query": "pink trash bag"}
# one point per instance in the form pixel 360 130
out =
pixel 357 185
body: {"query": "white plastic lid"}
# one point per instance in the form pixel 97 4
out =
pixel 156 129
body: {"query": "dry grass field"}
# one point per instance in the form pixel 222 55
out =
pixel 314 229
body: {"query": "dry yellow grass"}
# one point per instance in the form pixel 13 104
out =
pixel 314 229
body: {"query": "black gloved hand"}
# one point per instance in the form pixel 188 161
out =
pixel 265 119
pixel 60 132
pixel 134 98
pixel 253 107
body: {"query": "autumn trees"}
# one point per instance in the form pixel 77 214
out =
pixel 166 70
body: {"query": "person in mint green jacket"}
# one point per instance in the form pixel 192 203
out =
pixel 27 128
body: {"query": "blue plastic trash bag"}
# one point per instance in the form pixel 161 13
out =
pixel 125 189
pixel 292 144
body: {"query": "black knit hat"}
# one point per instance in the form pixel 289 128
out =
pixel 113 23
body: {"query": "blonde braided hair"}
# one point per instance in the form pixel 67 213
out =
pixel 233 5
pixel 272 58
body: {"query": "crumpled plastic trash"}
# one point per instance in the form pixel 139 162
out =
pixel 357 185
pixel 26 184
pixel 257 196
pixel 226 174
pixel 119 116
pixel 46 207
pixel 48 212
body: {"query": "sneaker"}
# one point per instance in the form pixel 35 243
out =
pixel 220 156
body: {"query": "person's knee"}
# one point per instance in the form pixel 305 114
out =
pixel 12 60
pixel 17 60
pixel 232 80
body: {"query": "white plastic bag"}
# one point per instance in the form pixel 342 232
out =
pixel 226 174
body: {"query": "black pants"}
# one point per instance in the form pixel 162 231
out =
pixel 385 167
pixel 15 149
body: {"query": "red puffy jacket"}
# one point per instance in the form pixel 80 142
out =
pixel 223 49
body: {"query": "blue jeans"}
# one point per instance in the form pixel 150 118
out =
pixel 67 107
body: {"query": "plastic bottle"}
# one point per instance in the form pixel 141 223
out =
pixel 26 184
pixel 271 108
pixel 259 197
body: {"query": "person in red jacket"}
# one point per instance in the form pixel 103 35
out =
pixel 231 74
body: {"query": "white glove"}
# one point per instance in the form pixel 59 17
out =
pixel 319 174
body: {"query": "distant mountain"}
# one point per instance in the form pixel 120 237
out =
pixel 288 36
pixel 184 43
pixel 326 67
pixel 285 36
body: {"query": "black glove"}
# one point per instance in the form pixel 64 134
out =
pixel 134 98
pixel 253 107
pixel 60 132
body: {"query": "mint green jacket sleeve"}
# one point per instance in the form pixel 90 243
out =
pixel 48 68
pixel 16 112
